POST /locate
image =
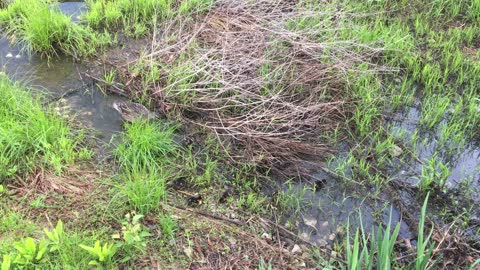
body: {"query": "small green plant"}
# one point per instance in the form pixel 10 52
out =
pixel 133 235
pixel 168 226
pixel 424 249
pixel 434 171
pixel 2 189
pixel 6 262
pixel 102 255
pixel 55 236
pixel 29 252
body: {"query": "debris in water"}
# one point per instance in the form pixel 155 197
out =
pixel 131 111
pixel 310 221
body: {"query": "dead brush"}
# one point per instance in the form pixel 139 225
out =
pixel 256 79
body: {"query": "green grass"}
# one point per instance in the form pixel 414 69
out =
pixel 31 137
pixel 144 156
pixel 376 250
pixel 144 190
pixel 41 28
pixel 145 145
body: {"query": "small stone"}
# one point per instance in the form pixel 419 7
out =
pixel 334 254
pixel 304 236
pixel 266 236
pixel 322 243
pixel 18 56
pixel 310 221
pixel 302 264
pixel 331 237
pixel 296 249
pixel 188 251
pixel 395 151
pixel 325 224
pixel 9 55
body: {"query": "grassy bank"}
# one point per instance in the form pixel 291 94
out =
pixel 40 27
pixel 32 139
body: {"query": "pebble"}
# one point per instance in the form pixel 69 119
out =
pixel 266 236
pixel 296 249
pixel 18 56
pixel 322 243
pixel 395 151
pixel 304 236
pixel 310 221
pixel 331 237
pixel 9 55
pixel 188 251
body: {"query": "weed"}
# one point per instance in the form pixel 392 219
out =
pixel 434 171
pixel 29 252
pixel 144 189
pixel 423 251
pixel 55 236
pixel 42 28
pixel 30 136
pixel 102 255
pixel 169 227
pixel 145 145
pixel 361 255
pixel 292 199
pixel 253 202
pixel 133 237
pixel 433 110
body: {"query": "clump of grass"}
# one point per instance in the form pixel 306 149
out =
pixel 134 16
pixel 146 150
pixel 30 136
pixel 377 252
pixel 42 28
pixel 145 145
pixel 169 226
pixel 144 189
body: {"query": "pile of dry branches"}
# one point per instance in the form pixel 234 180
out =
pixel 256 77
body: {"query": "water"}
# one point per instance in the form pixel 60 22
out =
pixel 338 202
pixel 60 76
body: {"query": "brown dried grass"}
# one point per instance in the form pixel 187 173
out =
pixel 268 89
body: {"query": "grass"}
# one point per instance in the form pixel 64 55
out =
pixel 376 250
pixel 144 189
pixel 370 61
pixel 31 137
pixel 145 145
pixel 42 28
pixel 137 17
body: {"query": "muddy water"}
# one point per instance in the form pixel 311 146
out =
pixel 337 203
pixel 62 77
